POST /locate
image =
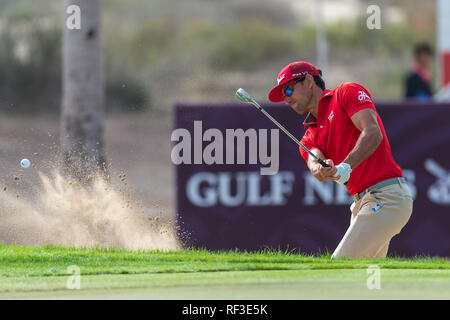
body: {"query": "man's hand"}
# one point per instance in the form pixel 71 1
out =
pixel 324 173
pixel 343 172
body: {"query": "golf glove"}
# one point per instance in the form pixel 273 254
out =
pixel 343 170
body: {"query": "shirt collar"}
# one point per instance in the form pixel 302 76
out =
pixel 327 93
pixel 310 120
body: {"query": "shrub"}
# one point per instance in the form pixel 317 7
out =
pixel 248 44
pixel 30 76
pixel 392 38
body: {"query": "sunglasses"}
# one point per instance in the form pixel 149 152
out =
pixel 289 90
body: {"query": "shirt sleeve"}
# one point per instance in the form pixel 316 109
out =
pixel 354 97
pixel 307 141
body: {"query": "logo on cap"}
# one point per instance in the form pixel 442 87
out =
pixel 280 78
pixel 304 73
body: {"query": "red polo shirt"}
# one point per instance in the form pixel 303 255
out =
pixel 336 135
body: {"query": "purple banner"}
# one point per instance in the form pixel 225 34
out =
pixel 226 199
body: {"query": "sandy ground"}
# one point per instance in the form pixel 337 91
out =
pixel 38 206
pixel 138 145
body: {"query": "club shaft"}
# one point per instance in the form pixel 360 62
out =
pixel 256 104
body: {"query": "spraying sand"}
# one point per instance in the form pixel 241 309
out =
pixel 61 212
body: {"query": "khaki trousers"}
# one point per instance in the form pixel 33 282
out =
pixel 376 218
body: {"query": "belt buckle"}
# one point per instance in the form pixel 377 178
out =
pixel 361 194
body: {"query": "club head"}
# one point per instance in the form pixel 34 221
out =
pixel 243 96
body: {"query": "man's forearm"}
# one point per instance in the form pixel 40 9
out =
pixel 312 162
pixel 367 143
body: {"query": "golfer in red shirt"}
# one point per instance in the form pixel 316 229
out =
pixel 344 129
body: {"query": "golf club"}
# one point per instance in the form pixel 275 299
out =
pixel 243 96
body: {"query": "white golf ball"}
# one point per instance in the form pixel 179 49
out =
pixel 25 163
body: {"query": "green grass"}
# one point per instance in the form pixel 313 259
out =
pixel 34 272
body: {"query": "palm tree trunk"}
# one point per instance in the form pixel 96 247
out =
pixel 83 94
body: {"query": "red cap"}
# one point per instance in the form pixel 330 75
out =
pixel 290 72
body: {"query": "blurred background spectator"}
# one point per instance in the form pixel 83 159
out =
pixel 418 82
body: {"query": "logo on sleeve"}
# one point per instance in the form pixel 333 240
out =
pixel 363 97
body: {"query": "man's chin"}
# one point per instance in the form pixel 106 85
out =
pixel 300 110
